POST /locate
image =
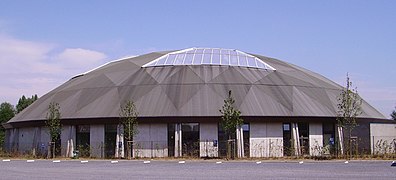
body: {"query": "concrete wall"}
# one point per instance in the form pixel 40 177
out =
pixel 151 141
pixel 14 139
pixel 7 141
pixel 96 136
pixel 266 140
pixel 207 135
pixel 315 139
pixel 31 140
pixel 25 139
pixel 44 135
pixel 382 138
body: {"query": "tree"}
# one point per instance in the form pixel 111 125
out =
pixel 24 102
pixel 7 112
pixel 230 119
pixel 349 108
pixel 393 114
pixel 54 124
pixel 128 118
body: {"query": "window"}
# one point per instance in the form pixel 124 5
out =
pixel 83 140
pixel 209 56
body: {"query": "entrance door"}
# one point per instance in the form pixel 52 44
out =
pixel 328 138
pixel 171 140
pixel 189 143
pixel 246 139
pixel 303 129
pixel 190 139
pixel 83 140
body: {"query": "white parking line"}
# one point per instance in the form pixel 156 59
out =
pixel 30 161
pixel 56 161
pixel 146 162
pixel 113 162
pixel 84 161
pixel 6 160
pixel 182 162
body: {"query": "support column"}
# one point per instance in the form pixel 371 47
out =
pixel 340 135
pixel 239 142
pixel 296 139
pixel 119 149
pixel 178 140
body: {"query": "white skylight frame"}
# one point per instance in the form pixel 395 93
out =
pixel 200 56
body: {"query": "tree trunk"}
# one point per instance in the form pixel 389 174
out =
pixel 229 147
pixel 350 142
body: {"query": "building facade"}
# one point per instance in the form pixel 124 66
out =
pixel 287 110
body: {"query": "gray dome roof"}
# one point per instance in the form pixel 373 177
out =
pixel 193 90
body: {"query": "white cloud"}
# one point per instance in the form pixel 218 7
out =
pixel 80 57
pixel 29 67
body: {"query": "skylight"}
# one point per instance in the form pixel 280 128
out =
pixel 209 56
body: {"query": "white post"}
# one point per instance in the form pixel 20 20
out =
pixel 71 148
pixel 116 155
pixel 178 140
pixel 237 144
pixel 119 149
pixel 241 152
pixel 296 139
pixel 67 149
pixel 341 139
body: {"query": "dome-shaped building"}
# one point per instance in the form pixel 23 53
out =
pixel 178 95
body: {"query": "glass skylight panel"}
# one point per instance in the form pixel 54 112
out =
pixel 178 60
pixel 251 62
pixel 233 60
pixel 233 53
pixel 189 58
pixel 225 51
pixel 199 51
pixel 216 51
pixel 152 63
pixel 171 59
pixel 209 56
pixel 197 59
pixel 215 58
pixel 260 64
pixel 161 61
pixel 242 61
pixel 192 51
pixel 225 59
pixel 208 51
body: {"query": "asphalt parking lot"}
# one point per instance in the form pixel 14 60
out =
pixel 160 169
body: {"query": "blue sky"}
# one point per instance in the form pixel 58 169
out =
pixel 44 43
